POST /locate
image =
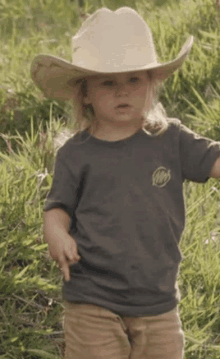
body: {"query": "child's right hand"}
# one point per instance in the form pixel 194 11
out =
pixel 64 252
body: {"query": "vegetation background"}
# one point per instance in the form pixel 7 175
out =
pixel 31 306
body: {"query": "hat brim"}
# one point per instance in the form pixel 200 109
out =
pixel 55 76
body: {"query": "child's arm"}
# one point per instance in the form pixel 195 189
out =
pixel 215 172
pixel 62 246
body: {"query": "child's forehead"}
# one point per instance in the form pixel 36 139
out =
pixel 120 75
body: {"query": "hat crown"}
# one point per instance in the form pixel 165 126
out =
pixel 113 39
pixel 107 42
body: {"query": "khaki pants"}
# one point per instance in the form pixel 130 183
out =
pixel 93 332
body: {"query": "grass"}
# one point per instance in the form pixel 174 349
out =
pixel 30 301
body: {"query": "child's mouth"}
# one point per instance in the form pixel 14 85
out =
pixel 123 106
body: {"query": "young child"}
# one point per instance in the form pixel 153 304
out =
pixel 115 213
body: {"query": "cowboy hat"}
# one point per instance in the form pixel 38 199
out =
pixel 107 42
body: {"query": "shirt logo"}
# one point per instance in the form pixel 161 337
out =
pixel 76 48
pixel 161 176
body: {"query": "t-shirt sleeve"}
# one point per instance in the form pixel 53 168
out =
pixel 197 154
pixel 63 193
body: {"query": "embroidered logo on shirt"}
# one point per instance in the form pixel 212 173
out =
pixel 161 176
pixel 76 48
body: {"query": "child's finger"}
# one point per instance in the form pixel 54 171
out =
pixel 72 257
pixel 71 253
pixel 73 261
pixel 66 272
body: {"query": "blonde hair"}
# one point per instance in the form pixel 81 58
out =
pixel 155 122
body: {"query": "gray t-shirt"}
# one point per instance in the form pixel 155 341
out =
pixel 125 199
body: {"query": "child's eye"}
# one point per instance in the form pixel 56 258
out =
pixel 134 78
pixel 110 83
pixel 107 83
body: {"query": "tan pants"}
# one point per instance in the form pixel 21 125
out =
pixel 93 332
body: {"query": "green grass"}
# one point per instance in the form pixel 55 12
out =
pixel 30 288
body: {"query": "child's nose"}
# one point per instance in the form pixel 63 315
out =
pixel 122 89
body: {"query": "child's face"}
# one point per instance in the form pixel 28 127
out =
pixel 106 92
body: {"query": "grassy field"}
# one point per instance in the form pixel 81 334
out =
pixel 30 287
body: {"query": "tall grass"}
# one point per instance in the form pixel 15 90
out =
pixel 30 287
pixel 30 283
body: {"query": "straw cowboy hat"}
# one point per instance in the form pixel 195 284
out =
pixel 107 42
